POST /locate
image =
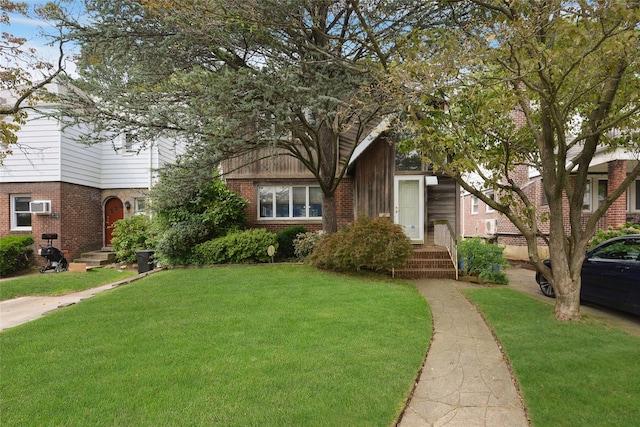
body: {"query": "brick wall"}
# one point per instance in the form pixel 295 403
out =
pixel 76 215
pixel 248 189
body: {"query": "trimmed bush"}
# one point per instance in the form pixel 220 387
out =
pixel 305 243
pixel 16 253
pixel 610 233
pixel 129 235
pixel 370 243
pixel 485 260
pixel 177 242
pixel 285 241
pixel 240 247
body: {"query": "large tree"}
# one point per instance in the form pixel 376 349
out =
pixel 537 84
pixel 24 72
pixel 243 75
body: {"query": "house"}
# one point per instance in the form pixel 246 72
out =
pixel 380 183
pixel 607 166
pixel 51 184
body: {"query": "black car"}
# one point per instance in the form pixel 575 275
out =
pixel 610 274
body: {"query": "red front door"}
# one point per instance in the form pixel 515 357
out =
pixel 113 211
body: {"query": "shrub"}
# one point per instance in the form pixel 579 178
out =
pixel 16 253
pixel 176 243
pixel 305 243
pixel 372 244
pixel 622 230
pixel 129 235
pixel 192 212
pixel 285 240
pixel 478 258
pixel 239 247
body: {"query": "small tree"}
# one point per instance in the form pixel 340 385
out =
pixel 528 85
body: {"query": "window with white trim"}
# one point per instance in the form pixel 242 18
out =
pixel 633 196
pixel 20 212
pixel 140 205
pixel 595 192
pixel 288 202
pixel 488 208
pixel 474 205
pixel 586 201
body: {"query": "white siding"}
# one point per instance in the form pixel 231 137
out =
pixel 36 158
pixel 124 170
pixel 46 153
pixel 80 164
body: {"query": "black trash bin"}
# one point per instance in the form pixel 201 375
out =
pixel 145 261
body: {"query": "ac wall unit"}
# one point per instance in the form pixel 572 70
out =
pixel 491 226
pixel 40 207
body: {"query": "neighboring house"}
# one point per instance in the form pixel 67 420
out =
pixel 607 166
pixel 380 183
pixel 51 184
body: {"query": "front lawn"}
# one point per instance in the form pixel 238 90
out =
pixel 52 283
pixel 576 374
pixel 272 345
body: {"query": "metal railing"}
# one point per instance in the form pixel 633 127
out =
pixel 445 237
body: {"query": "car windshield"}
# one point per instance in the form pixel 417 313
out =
pixel 627 249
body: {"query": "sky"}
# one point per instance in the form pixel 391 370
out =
pixel 32 30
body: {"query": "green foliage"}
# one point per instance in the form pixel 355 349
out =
pixel 15 253
pixel 370 243
pixel 177 242
pixel 286 238
pixel 485 260
pixel 131 234
pixel 192 211
pixel 609 233
pixel 305 243
pixel 240 247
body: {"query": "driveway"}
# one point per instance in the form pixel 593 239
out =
pixel 523 280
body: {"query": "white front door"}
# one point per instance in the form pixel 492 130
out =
pixel 409 206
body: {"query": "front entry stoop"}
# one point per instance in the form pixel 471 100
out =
pixel 97 258
pixel 431 262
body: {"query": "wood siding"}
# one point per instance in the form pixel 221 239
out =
pixel 442 204
pixel 374 180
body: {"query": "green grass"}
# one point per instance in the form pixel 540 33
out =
pixel 51 283
pixel 570 374
pixel 273 345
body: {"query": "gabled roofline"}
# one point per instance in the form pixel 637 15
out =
pixel 368 140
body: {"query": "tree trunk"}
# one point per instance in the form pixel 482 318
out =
pixel 567 306
pixel 329 214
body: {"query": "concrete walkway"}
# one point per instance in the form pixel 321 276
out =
pixel 465 380
pixel 21 310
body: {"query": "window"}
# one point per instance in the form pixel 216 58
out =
pixel 586 203
pixel 633 196
pixel 20 212
pixel 602 190
pixel 140 205
pixel 409 162
pixel 594 193
pixel 286 202
pixel 474 205
pixel 127 144
pixel 488 208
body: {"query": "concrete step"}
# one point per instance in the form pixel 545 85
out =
pixel 97 258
